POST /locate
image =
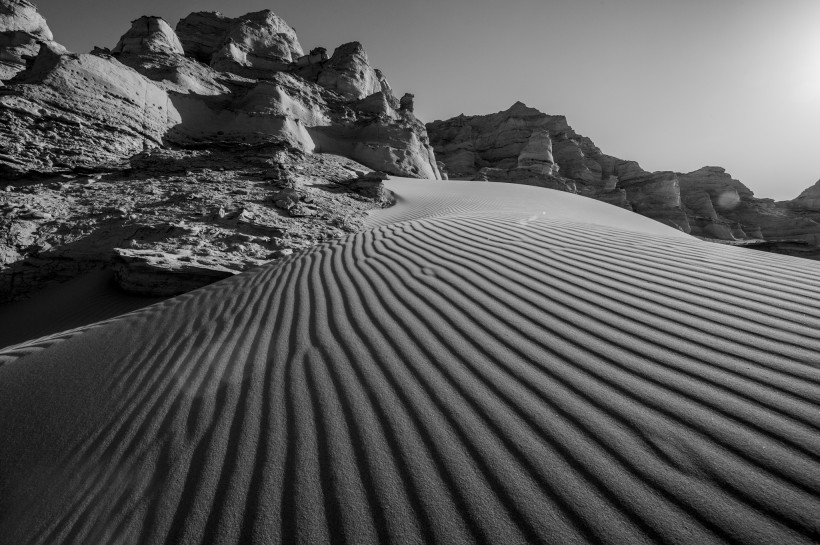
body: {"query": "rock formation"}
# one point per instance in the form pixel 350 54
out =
pixel 72 111
pixel 180 156
pixel 523 145
pixel 152 89
pixel 22 31
pixel 808 200
pixel 252 45
pixel 348 72
pixel 149 35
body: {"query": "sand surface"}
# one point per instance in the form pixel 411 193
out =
pixel 488 364
pixel 87 299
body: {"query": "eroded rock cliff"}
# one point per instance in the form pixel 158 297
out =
pixel 218 81
pixel 524 145
pixel 181 156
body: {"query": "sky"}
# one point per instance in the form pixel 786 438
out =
pixel 672 84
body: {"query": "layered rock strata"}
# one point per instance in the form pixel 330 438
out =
pixel 178 157
pixel 22 32
pixel 216 81
pixel 524 145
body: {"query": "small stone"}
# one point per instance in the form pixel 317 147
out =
pixel 281 253
pixel 39 215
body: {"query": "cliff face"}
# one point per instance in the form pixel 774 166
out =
pixel 707 203
pixel 499 147
pixel 218 81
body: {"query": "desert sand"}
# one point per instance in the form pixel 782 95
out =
pixel 488 363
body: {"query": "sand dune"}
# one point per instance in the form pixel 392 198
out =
pixel 87 299
pixel 487 364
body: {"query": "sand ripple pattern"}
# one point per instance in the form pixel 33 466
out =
pixel 468 378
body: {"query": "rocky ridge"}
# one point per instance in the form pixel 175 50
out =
pixel 217 82
pixel 178 157
pixel 524 145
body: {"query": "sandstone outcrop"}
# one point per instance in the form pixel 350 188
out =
pixel 79 111
pixel 256 44
pixel 348 72
pixel 177 158
pixel 202 34
pixel 149 35
pixel 152 89
pixel 152 48
pixel 523 145
pixel 253 45
pixel 22 31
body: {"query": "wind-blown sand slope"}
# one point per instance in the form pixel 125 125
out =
pixel 469 370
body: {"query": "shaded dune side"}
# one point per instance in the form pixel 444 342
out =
pixel 90 298
pixel 471 378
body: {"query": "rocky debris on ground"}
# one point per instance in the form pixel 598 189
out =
pixel 178 220
pixel 523 145
pixel 371 186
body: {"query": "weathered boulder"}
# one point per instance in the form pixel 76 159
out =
pixel 202 34
pixel 22 31
pixel 257 43
pixel 152 48
pixel 21 15
pixel 69 111
pixel 149 35
pixel 348 72
pixel 253 45
pixel 159 274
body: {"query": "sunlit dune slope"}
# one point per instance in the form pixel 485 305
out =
pixel 488 364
